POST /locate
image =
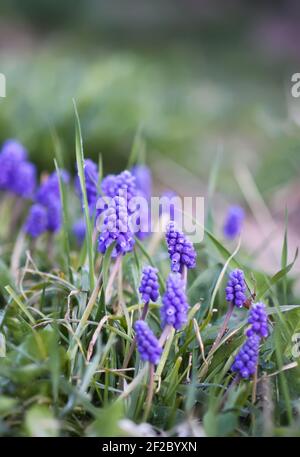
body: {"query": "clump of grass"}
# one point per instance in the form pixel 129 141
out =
pixel 66 330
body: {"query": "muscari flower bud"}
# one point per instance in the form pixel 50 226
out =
pixel 24 182
pixel 14 150
pixel 122 185
pixel 246 360
pixel 234 222
pixel 259 321
pixel 175 307
pixel 54 216
pixel 37 220
pixel 149 287
pixel 181 250
pixel 236 288
pixel 16 174
pixel 116 229
pixel 49 189
pixel 147 343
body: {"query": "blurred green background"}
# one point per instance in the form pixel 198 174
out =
pixel 196 77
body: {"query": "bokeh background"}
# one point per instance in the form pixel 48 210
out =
pixel 206 83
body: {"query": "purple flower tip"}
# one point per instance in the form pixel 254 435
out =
pixel 175 307
pixel 236 288
pixel 259 321
pixel 149 287
pixel 116 229
pixel 122 185
pixel 246 360
pixel 147 343
pixel 17 175
pixel 24 180
pixel 181 250
pixel 37 220
pixel 234 221
pixel 14 150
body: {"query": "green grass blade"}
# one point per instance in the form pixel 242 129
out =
pixel 80 167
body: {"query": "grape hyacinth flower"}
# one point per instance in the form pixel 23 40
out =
pixel 236 288
pixel 17 175
pixel 37 220
pixel 181 250
pixel 234 221
pixel 79 231
pixel 149 287
pixel 122 185
pixel 54 216
pixel 24 182
pixel 259 321
pixel 49 189
pixel 246 360
pixel 116 229
pixel 47 203
pixel 14 150
pixel 175 307
pixel 147 343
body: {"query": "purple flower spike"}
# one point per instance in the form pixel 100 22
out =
pixel 246 360
pixel 116 229
pixel 259 321
pixel 236 288
pixel 14 150
pixel 37 220
pixel 54 216
pixel 49 189
pixel 180 249
pixel 175 307
pixel 149 287
pixel 147 343
pixel 16 174
pixel 234 221
pixel 143 178
pixel 24 180
pixel 122 185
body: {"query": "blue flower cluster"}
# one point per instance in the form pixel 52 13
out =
pixel 18 175
pixel 181 250
pixel 236 288
pixel 45 214
pixel 234 221
pixel 115 229
pixel 246 360
pixel 258 321
pixel 149 287
pixel 147 343
pixel 122 185
pixel 175 306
